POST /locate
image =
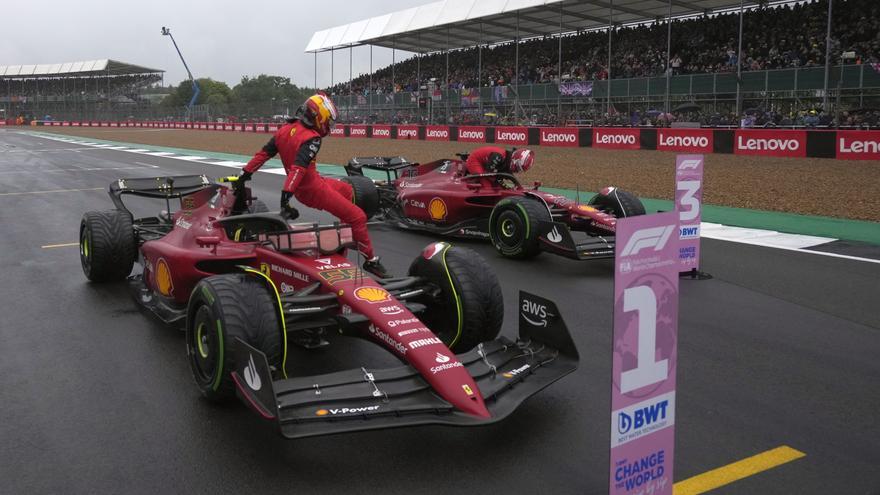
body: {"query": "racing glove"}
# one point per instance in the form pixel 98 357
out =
pixel 287 211
pixel 243 177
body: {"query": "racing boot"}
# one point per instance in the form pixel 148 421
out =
pixel 374 266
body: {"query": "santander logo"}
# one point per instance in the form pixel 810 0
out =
pixel 510 136
pixel 762 144
pixel 357 131
pixel 558 137
pixel 684 141
pixel 438 133
pixel 615 138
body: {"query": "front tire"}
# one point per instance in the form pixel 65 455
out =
pixel 221 309
pixel 107 247
pixel 468 308
pixel 513 226
pixel 618 202
pixel 364 194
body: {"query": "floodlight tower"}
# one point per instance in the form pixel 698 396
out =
pixel 195 86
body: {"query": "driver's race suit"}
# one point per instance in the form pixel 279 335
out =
pixel 298 146
pixel 488 159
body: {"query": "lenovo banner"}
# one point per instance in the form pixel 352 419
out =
pixel 357 131
pixel 687 140
pixel 407 132
pixel 338 131
pixel 644 358
pixel 382 131
pixel 469 134
pixel 688 199
pixel 436 133
pixel 858 145
pixel 512 135
pixel 617 139
pixel 770 142
pixel 558 136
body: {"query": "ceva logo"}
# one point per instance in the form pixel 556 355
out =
pixel 684 141
pixel 654 237
pixel 558 137
pixel 642 417
pixel 764 144
pixel 615 139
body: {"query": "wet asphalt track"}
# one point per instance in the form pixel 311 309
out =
pixel 781 348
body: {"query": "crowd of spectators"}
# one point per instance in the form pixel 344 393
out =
pixel 775 37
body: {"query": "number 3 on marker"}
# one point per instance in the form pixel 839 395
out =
pixel 648 370
pixel 690 188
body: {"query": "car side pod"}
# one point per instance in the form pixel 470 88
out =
pixel 555 237
pixel 506 373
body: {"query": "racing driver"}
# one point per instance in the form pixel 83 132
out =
pixel 492 159
pixel 298 143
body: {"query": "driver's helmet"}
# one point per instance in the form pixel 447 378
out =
pixel 521 160
pixel 318 113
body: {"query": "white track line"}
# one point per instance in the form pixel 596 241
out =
pixel 755 237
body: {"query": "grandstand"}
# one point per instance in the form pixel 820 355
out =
pixel 91 90
pixel 721 62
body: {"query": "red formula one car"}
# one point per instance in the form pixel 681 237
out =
pixel 247 284
pixel 440 197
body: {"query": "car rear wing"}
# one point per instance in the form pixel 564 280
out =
pixel 506 373
pixel 388 164
pixel 166 188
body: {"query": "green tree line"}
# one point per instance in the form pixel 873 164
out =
pixel 262 95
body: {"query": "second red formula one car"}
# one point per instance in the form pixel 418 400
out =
pixel 440 197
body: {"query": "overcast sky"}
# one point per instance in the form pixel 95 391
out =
pixel 220 39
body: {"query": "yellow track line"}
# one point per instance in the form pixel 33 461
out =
pixel 738 470
pixel 53 191
pixel 69 244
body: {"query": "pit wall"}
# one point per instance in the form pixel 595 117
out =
pixel 794 143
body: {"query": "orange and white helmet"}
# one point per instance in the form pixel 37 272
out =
pixel 521 160
pixel 319 113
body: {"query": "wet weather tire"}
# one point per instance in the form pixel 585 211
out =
pixel 513 226
pixel 221 308
pixel 107 247
pixel 365 194
pixel 619 203
pixel 468 307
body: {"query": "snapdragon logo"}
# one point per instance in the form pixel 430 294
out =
pixel 615 138
pixel 558 137
pixel 764 144
pixel 511 136
pixel 684 141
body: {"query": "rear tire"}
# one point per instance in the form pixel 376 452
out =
pixel 365 195
pixel 221 308
pixel 618 202
pixel 469 308
pixel 107 247
pixel 513 226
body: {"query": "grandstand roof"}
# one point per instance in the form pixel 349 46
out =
pixel 457 23
pixel 74 69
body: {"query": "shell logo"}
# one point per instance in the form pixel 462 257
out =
pixel 372 294
pixel 507 375
pixel 437 209
pixel 586 208
pixel 163 278
pixel 322 412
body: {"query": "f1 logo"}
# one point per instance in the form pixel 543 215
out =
pixel 689 164
pixel 654 237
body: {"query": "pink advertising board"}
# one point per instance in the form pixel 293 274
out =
pixel 688 202
pixel 644 356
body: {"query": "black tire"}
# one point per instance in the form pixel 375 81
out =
pixel 469 307
pixel 619 203
pixel 365 194
pixel 513 226
pixel 107 246
pixel 221 308
pixel 258 206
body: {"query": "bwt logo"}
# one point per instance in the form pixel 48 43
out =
pixel 641 418
pixel 382 132
pixel 689 164
pixel 691 232
pixel 357 131
pixel 615 138
pixel 654 237
pixel 511 136
pixel 558 137
pixel 761 144
pixel 438 133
